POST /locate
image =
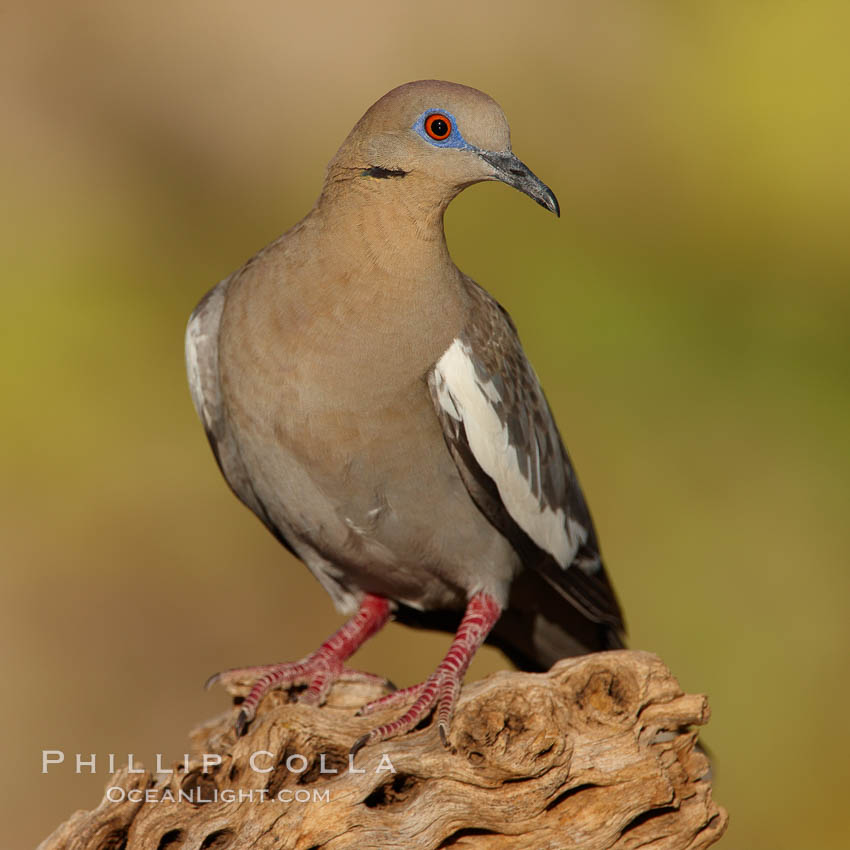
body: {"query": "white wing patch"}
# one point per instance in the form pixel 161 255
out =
pixel 467 399
pixel 195 338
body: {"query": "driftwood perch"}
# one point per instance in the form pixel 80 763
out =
pixel 597 753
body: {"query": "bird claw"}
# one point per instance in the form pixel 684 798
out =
pixel 359 744
pixel 242 721
pixel 437 693
pixel 316 672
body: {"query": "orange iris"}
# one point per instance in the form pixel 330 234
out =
pixel 438 126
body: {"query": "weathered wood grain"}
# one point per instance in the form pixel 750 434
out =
pixel 597 753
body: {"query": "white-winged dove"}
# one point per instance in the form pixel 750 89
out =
pixel 374 408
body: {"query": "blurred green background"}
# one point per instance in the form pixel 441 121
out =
pixel 688 316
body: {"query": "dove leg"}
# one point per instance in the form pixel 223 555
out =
pixel 440 691
pixel 319 670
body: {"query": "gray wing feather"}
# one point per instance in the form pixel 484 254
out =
pixel 204 383
pixel 502 435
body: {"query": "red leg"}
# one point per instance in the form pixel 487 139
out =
pixel 443 686
pixel 319 670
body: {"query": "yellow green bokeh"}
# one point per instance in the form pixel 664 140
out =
pixel 688 316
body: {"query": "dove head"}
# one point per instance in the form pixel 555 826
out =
pixel 428 140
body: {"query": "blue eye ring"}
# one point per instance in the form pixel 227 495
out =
pixel 428 125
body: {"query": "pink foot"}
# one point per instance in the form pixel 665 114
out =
pixel 318 671
pixel 440 690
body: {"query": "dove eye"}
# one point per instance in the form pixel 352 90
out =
pixel 438 126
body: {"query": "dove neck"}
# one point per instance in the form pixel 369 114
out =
pixel 395 223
